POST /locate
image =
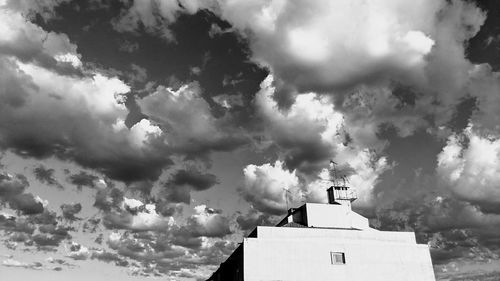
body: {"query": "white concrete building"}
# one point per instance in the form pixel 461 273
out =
pixel 327 242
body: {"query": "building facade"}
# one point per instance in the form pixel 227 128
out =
pixel 327 242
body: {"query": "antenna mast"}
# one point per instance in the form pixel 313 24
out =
pixel 339 192
pixel 286 197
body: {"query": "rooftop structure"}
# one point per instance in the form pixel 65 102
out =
pixel 327 242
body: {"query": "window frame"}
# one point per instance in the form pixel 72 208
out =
pixel 334 255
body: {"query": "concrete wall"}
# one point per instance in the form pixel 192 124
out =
pixel 326 215
pixel 290 233
pixel 338 216
pixel 299 254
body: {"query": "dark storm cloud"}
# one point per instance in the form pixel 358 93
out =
pixel 26 204
pixel 183 237
pixel 11 186
pixel 142 187
pixel 12 192
pixel 177 189
pixel 41 230
pixel 70 210
pixel 108 199
pixel 92 225
pixel 14 225
pixel 46 240
pixel 83 179
pixel 46 175
pixel 197 180
pixel 177 194
pixel 51 124
pixel 167 209
pixel 418 79
pixel 132 164
pixel 222 61
pixel 37 134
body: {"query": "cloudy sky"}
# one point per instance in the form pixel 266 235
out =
pixel 145 138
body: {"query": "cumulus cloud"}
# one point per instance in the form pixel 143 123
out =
pixel 12 192
pixel 134 215
pixel 56 112
pixel 335 48
pixel 70 210
pixel 253 219
pixel 342 70
pixel 320 44
pixel 208 222
pixel 78 252
pixel 197 180
pixel 149 250
pixel 107 256
pixel 469 165
pixel 267 185
pixel 180 184
pixel 26 203
pixel 312 131
pixel 187 120
pixel 453 228
pixel 11 186
pixel 40 231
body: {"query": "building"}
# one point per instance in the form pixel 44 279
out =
pixel 327 242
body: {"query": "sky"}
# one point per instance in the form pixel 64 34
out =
pixel 142 139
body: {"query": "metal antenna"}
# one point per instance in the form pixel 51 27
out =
pixel 286 197
pixel 333 166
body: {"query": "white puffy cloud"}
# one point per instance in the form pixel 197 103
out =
pixel 29 42
pixel 78 252
pixel 324 44
pixel 208 222
pixel 312 131
pixel 150 219
pixel 266 186
pixel 131 203
pixel 139 133
pixel 469 165
pixel 137 216
pixel 328 47
pixel 51 105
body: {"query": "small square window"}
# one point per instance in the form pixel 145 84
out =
pixel 337 257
